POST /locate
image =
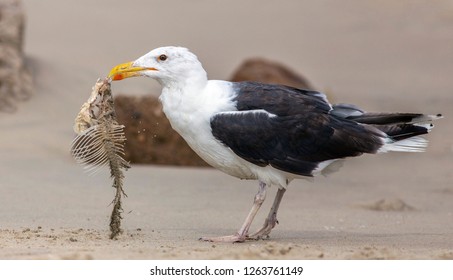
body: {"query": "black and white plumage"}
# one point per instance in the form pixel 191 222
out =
pixel 271 133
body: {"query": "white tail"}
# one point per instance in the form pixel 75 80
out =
pixel 412 144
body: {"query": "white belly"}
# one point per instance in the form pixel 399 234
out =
pixel 214 152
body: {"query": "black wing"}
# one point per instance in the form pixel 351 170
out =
pixel 278 99
pixel 290 129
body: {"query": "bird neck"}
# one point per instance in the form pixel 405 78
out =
pixel 188 84
pixel 185 78
pixel 180 95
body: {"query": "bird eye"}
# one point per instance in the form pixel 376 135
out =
pixel 162 57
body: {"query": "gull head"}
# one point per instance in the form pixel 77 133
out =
pixel 167 65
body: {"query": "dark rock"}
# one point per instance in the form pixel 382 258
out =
pixel 150 138
pixel 15 77
pixel 265 71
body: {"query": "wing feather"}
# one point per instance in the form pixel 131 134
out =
pixel 291 130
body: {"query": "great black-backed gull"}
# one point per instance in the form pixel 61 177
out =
pixel 271 133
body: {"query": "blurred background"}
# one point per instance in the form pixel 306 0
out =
pixel 380 49
pixel 380 55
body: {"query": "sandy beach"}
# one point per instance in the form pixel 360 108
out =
pixel 380 55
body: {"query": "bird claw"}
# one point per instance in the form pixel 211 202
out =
pixel 258 237
pixel 264 232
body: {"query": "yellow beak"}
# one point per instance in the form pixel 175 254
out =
pixel 126 70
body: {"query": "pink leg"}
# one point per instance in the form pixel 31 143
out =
pixel 271 219
pixel 241 235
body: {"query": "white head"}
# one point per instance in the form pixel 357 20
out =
pixel 168 65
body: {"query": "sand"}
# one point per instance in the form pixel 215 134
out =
pixel 382 56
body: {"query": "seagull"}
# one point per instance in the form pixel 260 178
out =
pixel 267 132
